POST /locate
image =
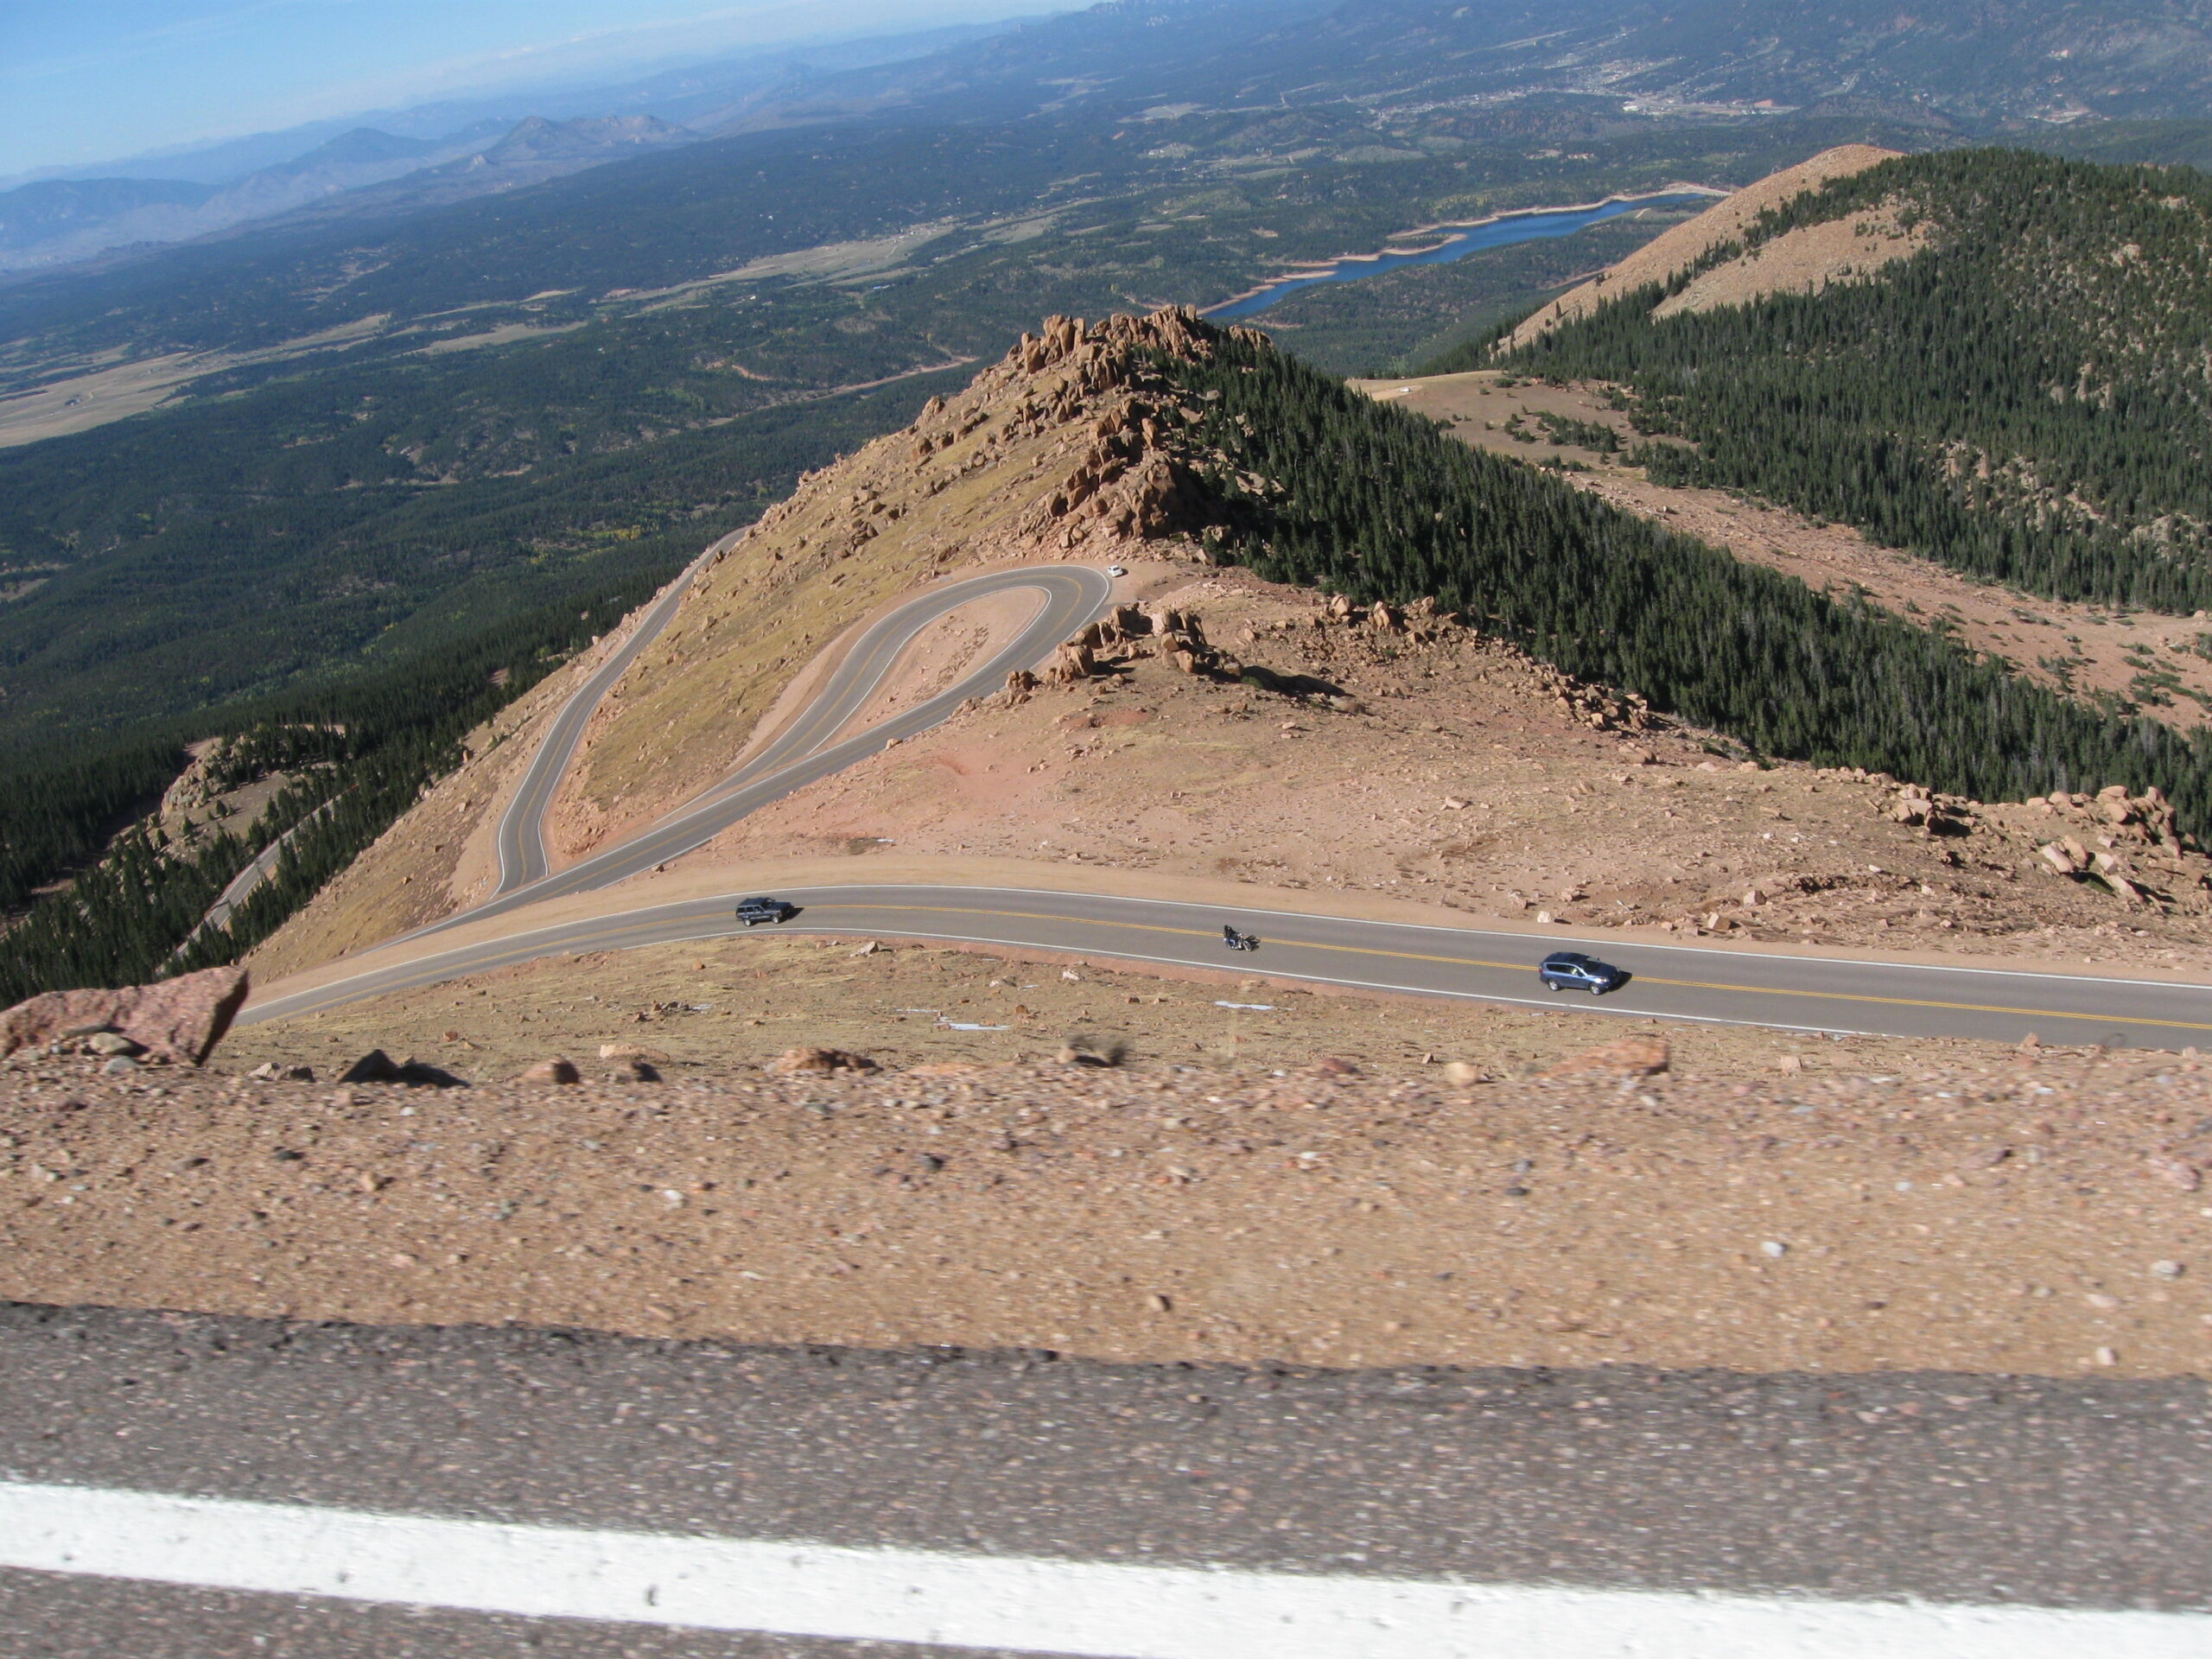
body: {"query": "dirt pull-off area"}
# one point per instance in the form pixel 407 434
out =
pixel 2042 1214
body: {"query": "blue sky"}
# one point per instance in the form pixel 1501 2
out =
pixel 90 80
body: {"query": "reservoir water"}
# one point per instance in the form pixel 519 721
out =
pixel 1535 224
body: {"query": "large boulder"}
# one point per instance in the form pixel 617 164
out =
pixel 178 1020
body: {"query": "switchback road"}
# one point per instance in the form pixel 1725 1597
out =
pixel 522 826
pixel 1667 983
pixel 1069 597
pixel 176 1486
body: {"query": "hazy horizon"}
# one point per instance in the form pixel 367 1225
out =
pixel 136 79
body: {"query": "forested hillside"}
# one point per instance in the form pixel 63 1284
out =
pixel 1319 484
pixel 363 751
pixel 2028 399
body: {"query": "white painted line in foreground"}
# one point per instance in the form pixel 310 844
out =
pixel 1110 1611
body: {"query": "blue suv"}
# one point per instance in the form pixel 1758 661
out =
pixel 1570 970
pixel 753 911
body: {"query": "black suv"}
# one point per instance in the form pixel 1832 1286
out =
pixel 1570 970
pixel 753 911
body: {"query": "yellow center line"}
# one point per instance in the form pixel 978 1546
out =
pixel 1523 966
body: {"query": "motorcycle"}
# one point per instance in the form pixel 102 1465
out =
pixel 1236 941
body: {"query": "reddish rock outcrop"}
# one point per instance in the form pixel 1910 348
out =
pixel 178 1020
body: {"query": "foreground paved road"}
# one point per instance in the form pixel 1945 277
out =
pixel 1070 596
pixel 1625 1489
pixel 1672 982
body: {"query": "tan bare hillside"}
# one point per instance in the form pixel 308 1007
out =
pixel 1049 456
pixel 1805 263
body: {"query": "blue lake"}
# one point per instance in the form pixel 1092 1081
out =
pixel 1537 225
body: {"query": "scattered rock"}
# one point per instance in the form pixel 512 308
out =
pixel 557 1071
pixel 1774 1249
pixel 270 1071
pixel 1640 1056
pixel 819 1062
pixel 869 949
pixel 1458 1071
pixel 122 1065
pixel 2167 1270
pixel 176 1019
pixel 114 1042
pixel 377 1066
pixel 1333 1065
pixel 634 1071
pixel 2175 1172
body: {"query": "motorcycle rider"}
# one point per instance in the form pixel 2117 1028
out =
pixel 1230 937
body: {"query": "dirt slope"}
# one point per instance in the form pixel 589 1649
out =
pixel 2038 1213
pixel 1804 264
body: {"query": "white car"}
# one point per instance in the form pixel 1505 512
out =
pixel 1117 569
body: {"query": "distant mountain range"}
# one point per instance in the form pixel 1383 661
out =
pixel 173 198
pixel 1972 66
pixel 60 221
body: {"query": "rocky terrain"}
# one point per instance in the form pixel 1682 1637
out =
pixel 2038 1212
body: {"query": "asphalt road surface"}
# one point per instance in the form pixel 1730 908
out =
pixel 1891 1515
pixel 1667 981
pixel 522 826
pixel 1071 596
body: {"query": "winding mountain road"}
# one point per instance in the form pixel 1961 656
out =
pixel 803 752
pixel 522 826
pixel 1679 983
pixel 1669 982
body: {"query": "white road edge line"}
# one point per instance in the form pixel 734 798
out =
pixel 1038 1605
